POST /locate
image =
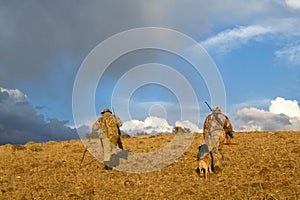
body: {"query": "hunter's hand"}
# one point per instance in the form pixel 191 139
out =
pixel 229 133
pixel 228 141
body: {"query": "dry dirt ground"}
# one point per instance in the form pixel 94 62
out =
pixel 264 165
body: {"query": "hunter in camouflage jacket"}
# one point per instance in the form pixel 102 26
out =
pixel 216 129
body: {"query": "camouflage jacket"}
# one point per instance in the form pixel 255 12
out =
pixel 109 125
pixel 216 121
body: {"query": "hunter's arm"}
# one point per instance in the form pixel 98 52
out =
pixel 96 126
pixel 228 127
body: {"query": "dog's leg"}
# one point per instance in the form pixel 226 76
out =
pixel 200 167
pixel 202 171
pixel 198 171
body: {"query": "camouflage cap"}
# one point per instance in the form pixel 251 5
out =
pixel 105 110
pixel 217 109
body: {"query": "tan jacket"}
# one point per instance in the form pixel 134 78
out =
pixel 212 123
pixel 109 125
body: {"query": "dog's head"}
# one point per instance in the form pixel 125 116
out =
pixel 203 150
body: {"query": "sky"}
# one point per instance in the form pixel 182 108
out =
pixel 253 51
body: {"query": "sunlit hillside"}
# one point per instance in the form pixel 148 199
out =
pixel 260 165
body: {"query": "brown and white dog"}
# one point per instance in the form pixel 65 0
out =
pixel 204 161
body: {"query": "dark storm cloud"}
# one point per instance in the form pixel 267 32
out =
pixel 19 122
pixel 37 37
pixel 34 34
pixel 42 44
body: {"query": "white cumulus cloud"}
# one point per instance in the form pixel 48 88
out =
pixel 133 126
pixel 150 125
pixel 282 115
pixel 287 107
pixel 294 4
pixel 15 95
